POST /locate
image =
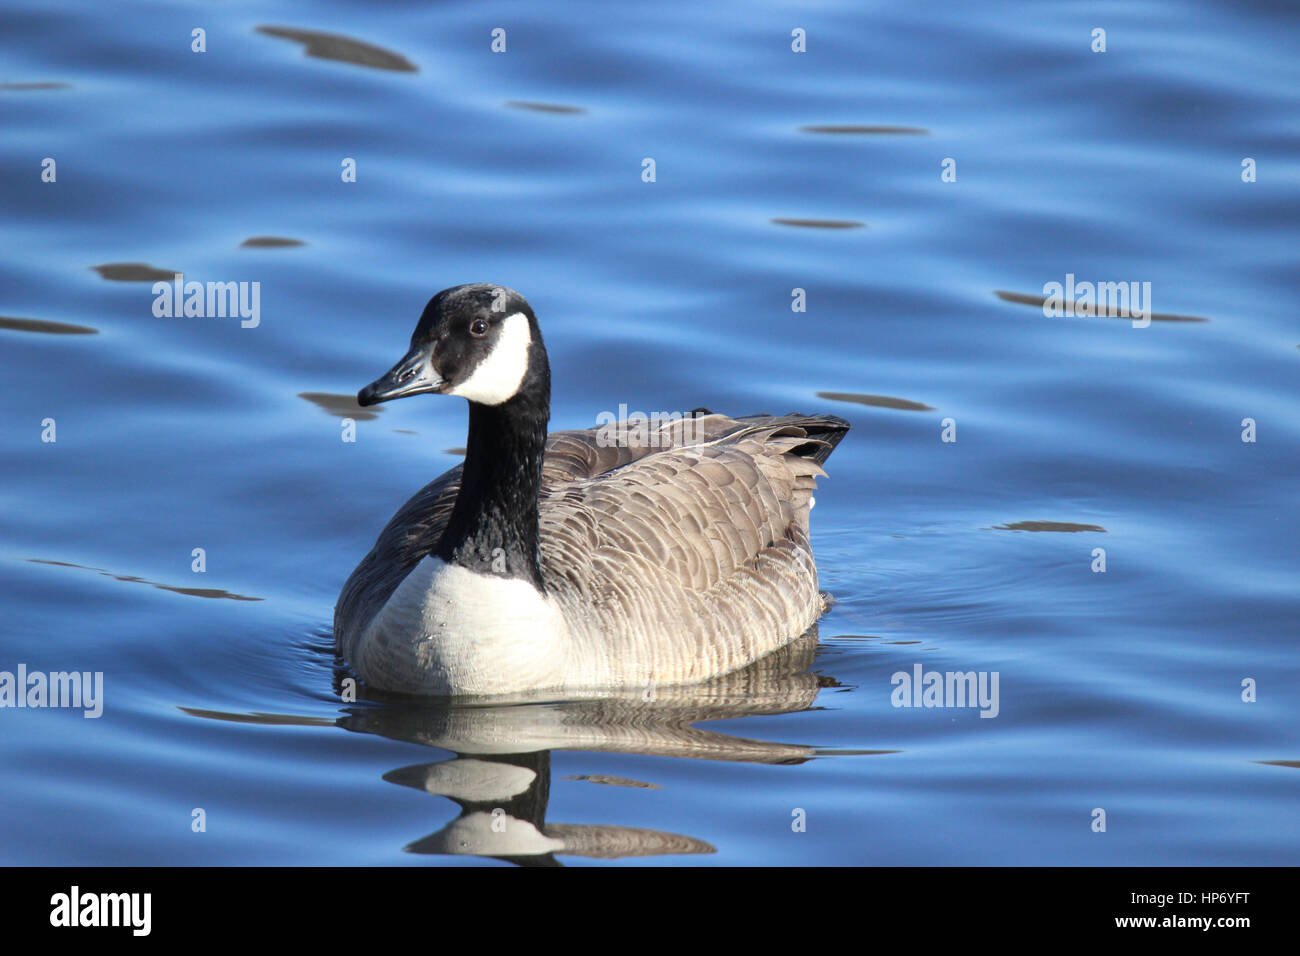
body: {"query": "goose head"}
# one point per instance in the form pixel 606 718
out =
pixel 478 341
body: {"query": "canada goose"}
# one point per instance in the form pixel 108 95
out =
pixel 583 560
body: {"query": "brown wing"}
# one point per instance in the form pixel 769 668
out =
pixel 695 559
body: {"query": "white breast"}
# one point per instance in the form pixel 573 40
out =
pixel 448 630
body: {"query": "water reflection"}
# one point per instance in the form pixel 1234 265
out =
pixel 45 326
pixel 503 802
pixel 880 401
pixel 544 107
pixel 132 579
pixel 852 129
pixel 270 242
pixel 25 87
pixel 334 46
pixel 134 272
pixel 606 780
pixel 1100 310
pixel 821 223
pixel 500 776
pixel 341 406
pixel 1066 526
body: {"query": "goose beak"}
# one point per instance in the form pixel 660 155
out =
pixel 413 375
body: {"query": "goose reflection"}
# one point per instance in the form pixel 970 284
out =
pixel 500 776
pixel 503 799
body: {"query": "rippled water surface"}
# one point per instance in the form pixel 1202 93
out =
pixel 774 171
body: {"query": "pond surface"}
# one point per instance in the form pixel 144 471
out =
pixel 995 449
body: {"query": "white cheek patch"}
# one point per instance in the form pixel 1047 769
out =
pixel 499 375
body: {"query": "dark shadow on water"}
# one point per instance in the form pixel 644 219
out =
pixel 341 406
pixel 192 592
pixel 544 107
pixel 821 223
pixel 270 242
pixel 880 401
pixel 44 326
pixel 1066 526
pixel 344 49
pixel 134 272
pixel 856 130
pixel 28 87
pixel 1039 301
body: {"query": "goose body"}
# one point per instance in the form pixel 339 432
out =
pixel 580 560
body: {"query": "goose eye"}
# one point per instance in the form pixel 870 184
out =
pixel 478 328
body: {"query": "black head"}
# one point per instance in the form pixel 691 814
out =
pixel 478 341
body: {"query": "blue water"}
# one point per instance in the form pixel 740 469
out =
pixel 1119 690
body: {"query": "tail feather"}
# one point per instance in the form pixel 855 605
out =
pixel 822 432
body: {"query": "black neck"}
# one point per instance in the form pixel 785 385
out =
pixel 493 525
